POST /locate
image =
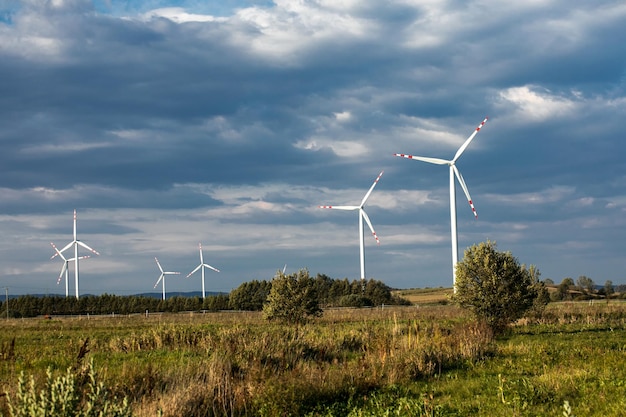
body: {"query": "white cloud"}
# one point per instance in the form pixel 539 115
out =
pixel 547 196
pixel 343 148
pixel 179 15
pixel 537 104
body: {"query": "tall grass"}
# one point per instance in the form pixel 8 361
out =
pixel 430 360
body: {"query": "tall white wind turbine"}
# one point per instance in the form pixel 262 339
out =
pixel 76 243
pixel 202 266
pixel 454 171
pixel 362 216
pixel 162 276
pixel 65 268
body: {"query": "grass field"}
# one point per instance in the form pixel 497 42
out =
pixel 426 296
pixel 430 360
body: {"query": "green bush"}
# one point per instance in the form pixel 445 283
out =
pixel 292 299
pixel 496 288
pixel 75 394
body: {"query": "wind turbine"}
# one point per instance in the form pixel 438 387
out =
pixel 362 216
pixel 454 171
pixel 162 276
pixel 75 243
pixel 65 268
pixel 202 266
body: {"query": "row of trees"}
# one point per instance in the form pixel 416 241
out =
pixel 584 289
pixel 249 296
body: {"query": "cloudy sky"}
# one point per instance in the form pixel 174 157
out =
pixel 168 123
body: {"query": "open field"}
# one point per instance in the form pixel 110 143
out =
pixel 427 360
pixel 425 296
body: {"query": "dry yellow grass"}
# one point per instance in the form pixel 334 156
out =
pixel 426 295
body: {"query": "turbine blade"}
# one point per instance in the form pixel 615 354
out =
pixel 62 272
pixel 159 265
pixel 87 247
pixel 81 257
pixel 340 207
pixel 468 140
pixel 192 272
pixel 369 223
pixel 437 161
pixel 200 247
pixel 465 190
pixel 171 273
pixel 159 280
pixel 58 253
pixel 371 189
pixel 210 267
pixel 66 247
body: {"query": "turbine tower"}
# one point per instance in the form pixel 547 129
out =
pixel 76 243
pixel 362 216
pixel 454 171
pixel 202 266
pixel 162 276
pixel 65 268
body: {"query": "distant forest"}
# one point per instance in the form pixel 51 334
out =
pixel 248 296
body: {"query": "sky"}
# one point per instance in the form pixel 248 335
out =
pixel 169 123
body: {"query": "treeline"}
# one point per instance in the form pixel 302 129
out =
pixel 248 296
pixel 584 288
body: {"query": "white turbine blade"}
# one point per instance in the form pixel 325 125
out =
pixel 464 187
pixel 159 265
pixel 62 272
pixel 437 161
pixel 66 247
pixel 210 267
pixel 371 189
pixel 340 207
pixel 158 280
pixel 74 224
pixel 171 273
pixel 284 268
pixel 79 258
pixel 200 247
pixel 58 252
pixel 468 140
pixel 87 247
pixel 369 223
pixel 192 272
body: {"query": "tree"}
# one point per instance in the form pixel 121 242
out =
pixel 292 298
pixel 250 295
pixel 585 283
pixel 608 288
pixel 495 287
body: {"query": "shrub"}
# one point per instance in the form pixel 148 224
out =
pixel 292 298
pixel 71 395
pixel 495 287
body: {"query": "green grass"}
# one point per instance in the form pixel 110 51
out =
pixel 422 361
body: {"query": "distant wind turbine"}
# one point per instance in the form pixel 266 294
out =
pixel 65 268
pixel 362 216
pixel 453 172
pixel 75 243
pixel 202 266
pixel 162 276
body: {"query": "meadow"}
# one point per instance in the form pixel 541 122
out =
pixel 424 360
